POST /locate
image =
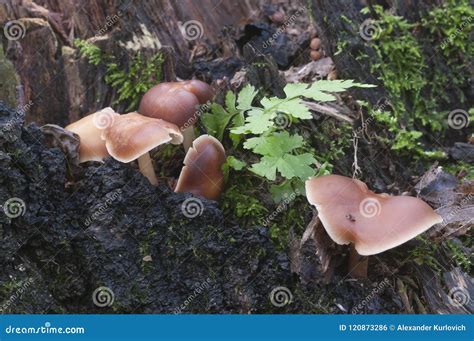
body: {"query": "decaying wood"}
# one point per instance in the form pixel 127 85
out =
pixel 330 111
pixel 313 257
pixel 451 297
pixel 66 140
pixel 453 201
pixel 310 72
pixel 462 152
pixel 71 88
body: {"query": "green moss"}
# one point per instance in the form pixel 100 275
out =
pixel 9 80
pixel 459 256
pixel 450 26
pixel 90 51
pixel 287 220
pixel 14 287
pixel 461 168
pixel 129 81
pixel 426 254
pixel 241 200
pixel 333 141
pixel 417 84
pixel 145 250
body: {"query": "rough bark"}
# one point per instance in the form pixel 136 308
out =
pixel 71 87
pixel 136 240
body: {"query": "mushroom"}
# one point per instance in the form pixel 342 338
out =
pixel 315 55
pixel 200 89
pixel 373 223
pixel 315 44
pixel 89 129
pixel 133 135
pixel 202 172
pixel 177 102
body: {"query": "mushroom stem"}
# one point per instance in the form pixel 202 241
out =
pixel 188 135
pixel 146 168
pixel 357 264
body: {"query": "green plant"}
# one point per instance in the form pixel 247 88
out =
pixel 90 51
pixel 271 177
pixel 416 89
pixel 130 82
pixel 451 26
pixel 401 67
pixel 458 255
pixel 449 29
pixel 133 83
pixel 277 153
pixel 241 201
pixel 426 254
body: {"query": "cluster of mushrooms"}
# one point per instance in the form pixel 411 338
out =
pixel 167 114
pixel 348 210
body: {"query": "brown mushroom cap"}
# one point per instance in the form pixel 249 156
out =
pixel 175 102
pixel 133 135
pixel 89 129
pixel 202 172
pixel 315 43
pixel 351 213
pixel 200 89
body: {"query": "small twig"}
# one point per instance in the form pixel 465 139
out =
pixel 328 111
pixel 355 165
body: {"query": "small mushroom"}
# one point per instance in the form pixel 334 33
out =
pixel 177 102
pixel 315 43
pixel 373 223
pixel 89 129
pixel 315 55
pixel 133 135
pixel 202 172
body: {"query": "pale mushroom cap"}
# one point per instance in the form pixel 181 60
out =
pixel 202 172
pixel 89 129
pixel 133 135
pixel 170 102
pixel 351 213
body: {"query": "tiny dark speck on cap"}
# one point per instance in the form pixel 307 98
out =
pixel 350 217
